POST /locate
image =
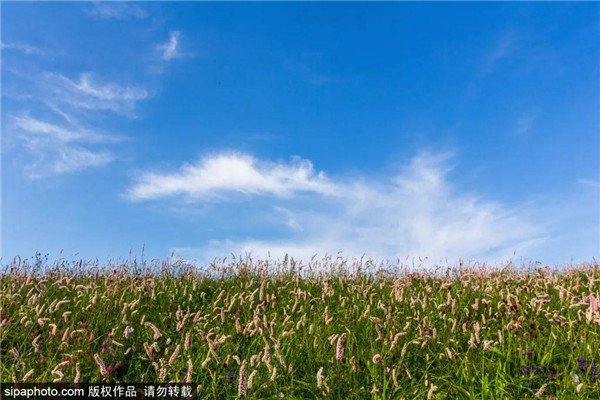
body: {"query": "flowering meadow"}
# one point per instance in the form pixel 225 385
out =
pixel 331 328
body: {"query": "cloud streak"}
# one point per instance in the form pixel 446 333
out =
pixel 69 145
pixel 60 133
pixel 22 47
pixel 417 212
pixel 85 93
pixel 57 149
pixel 116 10
pixel 170 49
pixel 232 172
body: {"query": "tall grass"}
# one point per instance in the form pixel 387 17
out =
pixel 330 328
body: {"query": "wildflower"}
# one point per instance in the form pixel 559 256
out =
pixel 85 325
pixel 376 358
pixel 28 375
pixel 100 364
pixel 430 392
pixel 593 371
pixel 157 334
pixel 189 369
pixel 77 373
pixel 251 378
pixel 340 347
pixel 537 371
pixel 186 343
pixel 540 392
pixel 242 380
pixel 581 361
pixel 230 376
pixel 174 355
pixel 526 370
pixel 575 378
pixel 109 369
pixel 528 353
pixel 128 331
pixel 351 361
pixel 320 377
pixel 387 369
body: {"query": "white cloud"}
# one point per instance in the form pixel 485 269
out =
pixel 590 183
pixel 56 150
pixel 69 146
pixel 525 124
pixel 59 133
pixel 22 47
pixel 50 159
pixel 169 49
pixel 307 74
pixel 417 212
pixel 86 94
pixel 116 10
pixel 232 172
pixel 73 159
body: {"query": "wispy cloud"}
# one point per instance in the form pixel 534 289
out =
pixel 116 10
pixel 308 74
pixel 55 150
pixel 85 93
pixel 171 49
pixel 56 146
pixel 60 133
pixel 525 124
pixel 58 160
pixel 490 60
pixel 416 212
pixel 503 48
pixel 22 47
pixel 232 172
pixel 590 183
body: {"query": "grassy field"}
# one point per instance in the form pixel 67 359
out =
pixel 330 328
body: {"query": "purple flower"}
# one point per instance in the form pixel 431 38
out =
pixel 230 376
pixel 537 371
pixel 185 369
pixel 593 371
pixel 526 370
pixel 528 353
pixel 387 369
pixel 575 378
pixel 380 384
pixel 581 361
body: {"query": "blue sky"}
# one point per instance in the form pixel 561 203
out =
pixel 395 130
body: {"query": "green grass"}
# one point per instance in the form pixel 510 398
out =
pixel 533 327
